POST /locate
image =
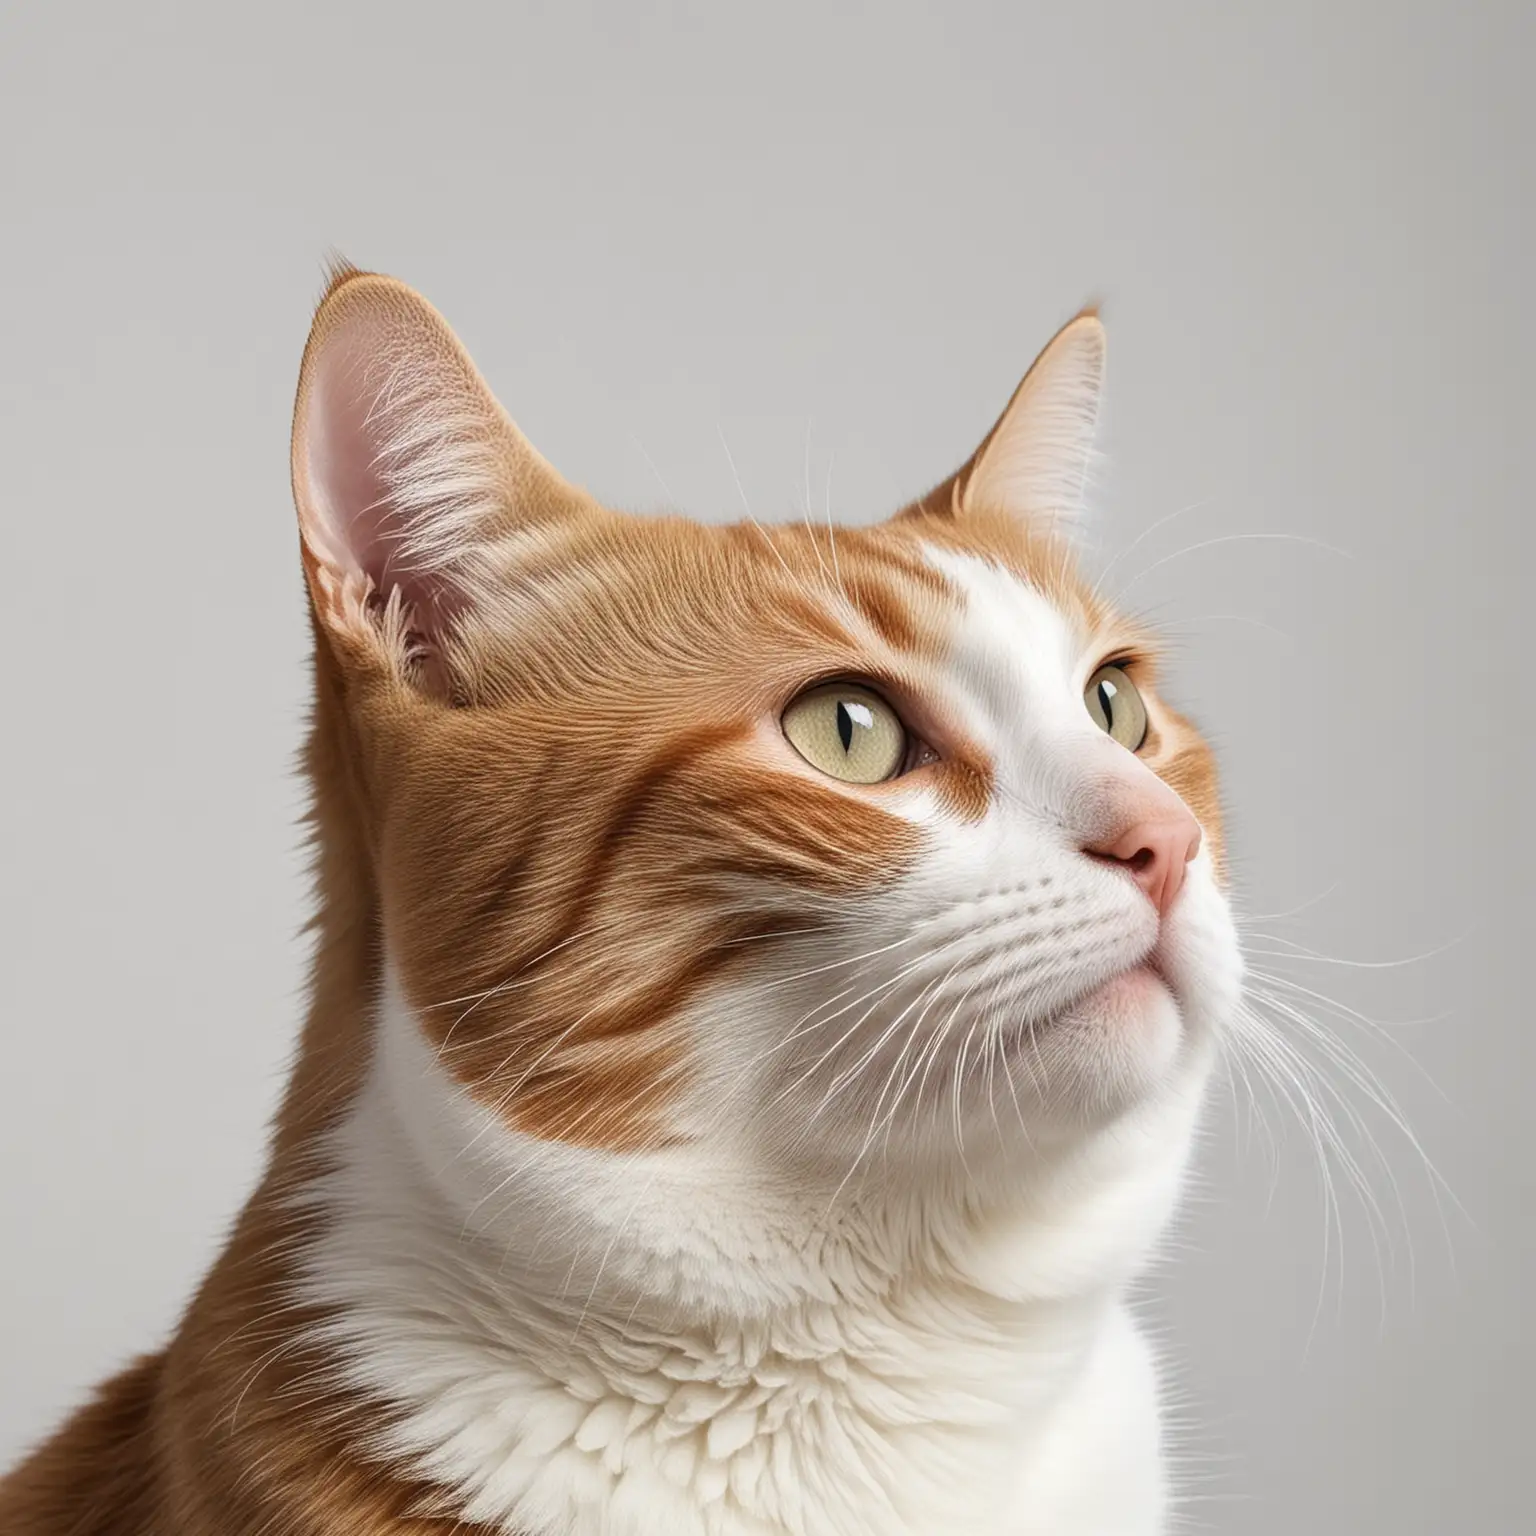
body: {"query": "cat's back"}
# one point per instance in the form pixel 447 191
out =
pixel 100 1475
pixel 219 1434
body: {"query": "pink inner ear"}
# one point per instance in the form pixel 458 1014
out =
pixel 350 500
pixel 362 438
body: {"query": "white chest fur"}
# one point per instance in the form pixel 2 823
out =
pixel 837 1398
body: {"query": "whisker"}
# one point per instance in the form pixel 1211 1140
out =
pixel 1235 538
pixel 1102 579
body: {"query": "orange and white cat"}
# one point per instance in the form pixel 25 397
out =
pixel 764 987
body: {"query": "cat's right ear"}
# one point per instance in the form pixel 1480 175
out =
pixel 409 479
pixel 1033 465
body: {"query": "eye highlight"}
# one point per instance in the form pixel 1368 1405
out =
pixel 1117 708
pixel 848 732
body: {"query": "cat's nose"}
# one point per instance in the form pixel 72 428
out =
pixel 1154 853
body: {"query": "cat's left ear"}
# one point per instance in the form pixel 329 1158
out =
pixel 1033 464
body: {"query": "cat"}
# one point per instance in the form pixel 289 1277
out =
pixel 764 987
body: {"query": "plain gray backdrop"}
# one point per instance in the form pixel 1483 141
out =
pixel 832 237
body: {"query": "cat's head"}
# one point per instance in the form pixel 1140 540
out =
pixel 801 846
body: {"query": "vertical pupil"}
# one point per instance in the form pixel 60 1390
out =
pixel 1107 700
pixel 844 726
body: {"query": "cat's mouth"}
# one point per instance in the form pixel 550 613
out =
pixel 1130 994
pixel 1142 983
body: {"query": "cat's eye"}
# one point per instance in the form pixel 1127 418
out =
pixel 1117 707
pixel 848 732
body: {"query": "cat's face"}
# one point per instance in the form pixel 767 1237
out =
pixel 837 847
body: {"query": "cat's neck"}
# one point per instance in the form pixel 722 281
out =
pixel 334 1047
pixel 522 1343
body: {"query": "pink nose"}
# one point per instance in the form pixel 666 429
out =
pixel 1155 853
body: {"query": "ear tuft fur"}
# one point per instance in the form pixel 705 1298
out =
pixel 338 270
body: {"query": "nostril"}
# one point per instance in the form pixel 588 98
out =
pixel 1154 854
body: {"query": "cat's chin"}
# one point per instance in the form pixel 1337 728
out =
pixel 1108 1050
pixel 1126 1001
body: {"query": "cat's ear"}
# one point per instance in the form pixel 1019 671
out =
pixel 1034 463
pixel 408 476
